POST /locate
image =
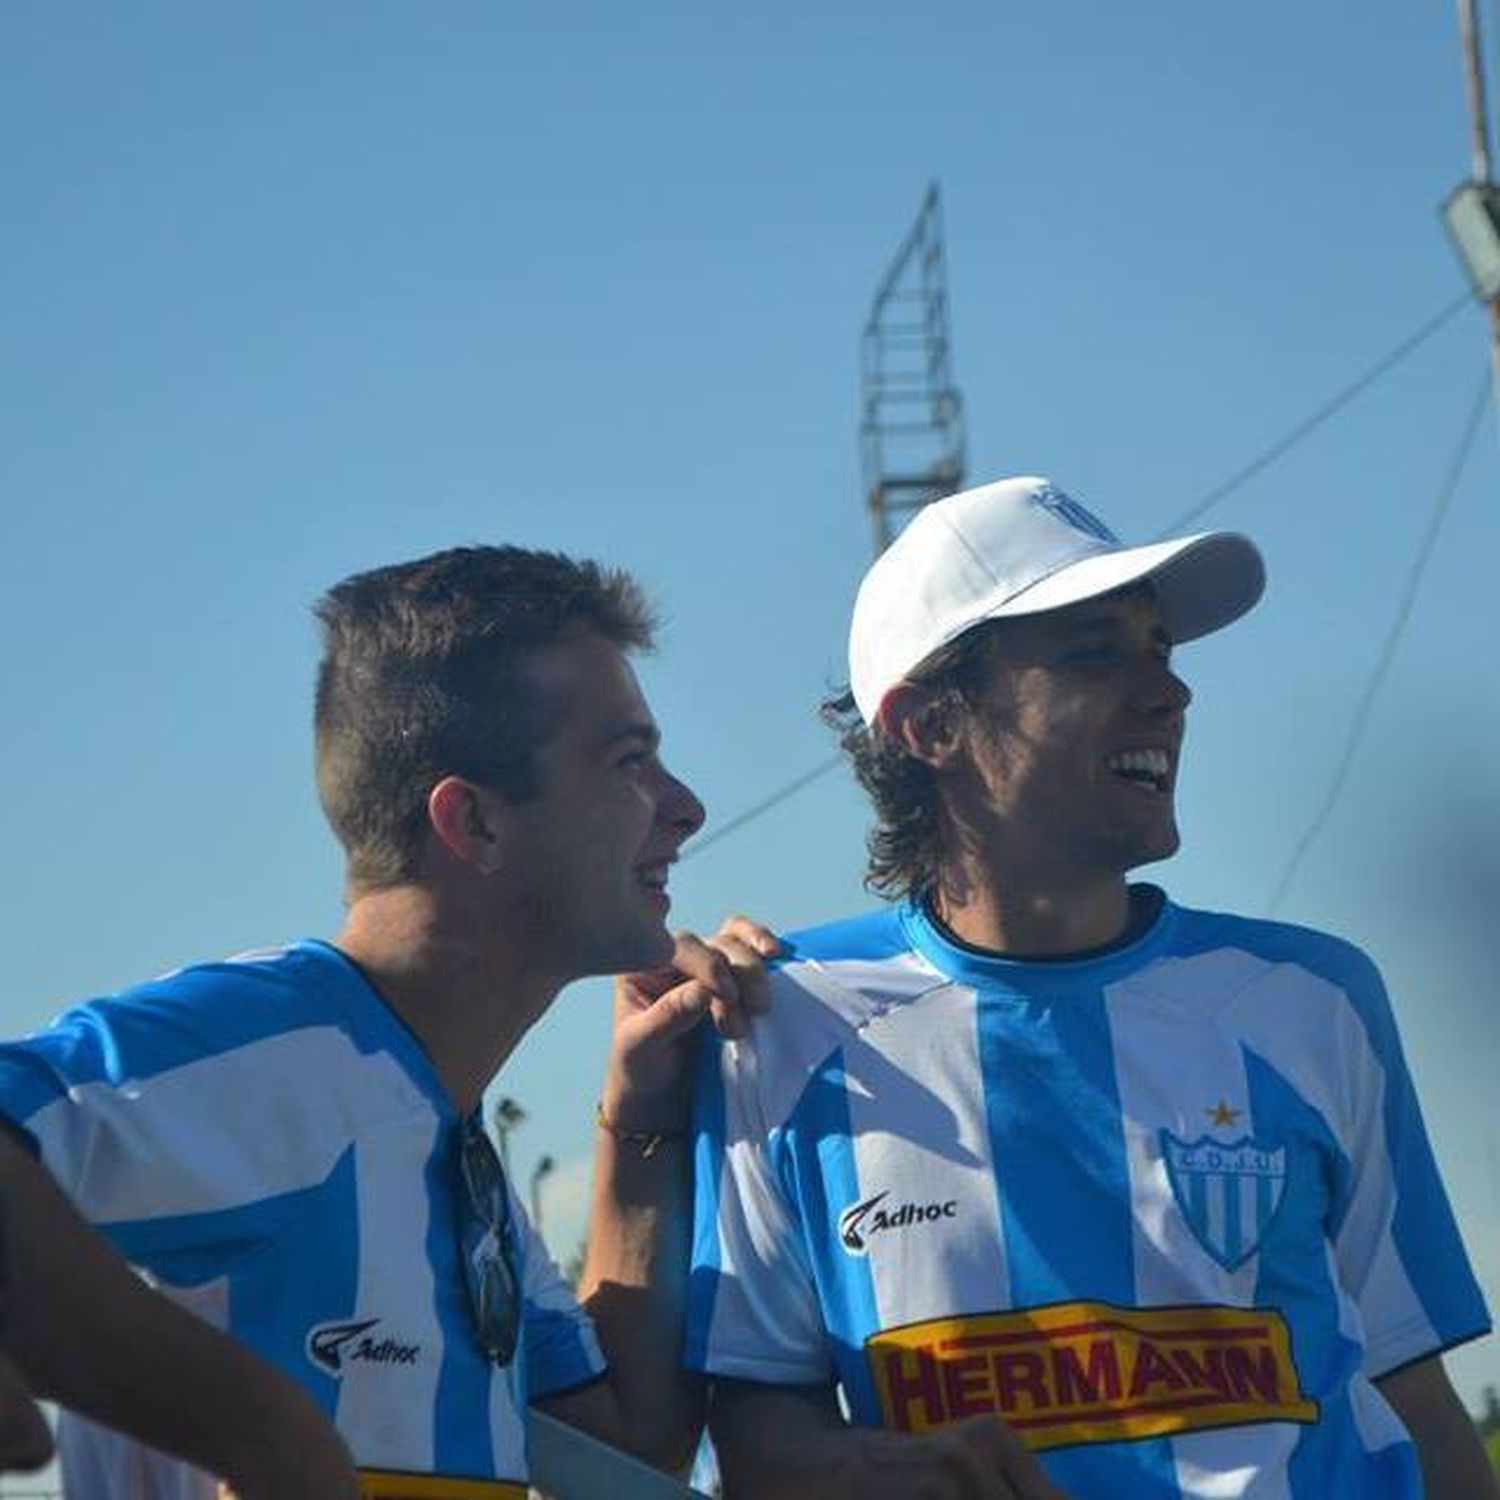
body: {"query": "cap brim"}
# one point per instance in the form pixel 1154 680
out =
pixel 1202 583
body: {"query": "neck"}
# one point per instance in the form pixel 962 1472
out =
pixel 1044 919
pixel 457 985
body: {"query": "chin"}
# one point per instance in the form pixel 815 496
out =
pixel 648 949
pixel 1153 850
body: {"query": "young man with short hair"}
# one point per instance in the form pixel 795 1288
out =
pixel 295 1134
pixel 1149 1184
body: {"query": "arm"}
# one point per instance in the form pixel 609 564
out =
pixel 635 1275
pixel 84 1330
pixel 25 1439
pixel 780 1440
pixel 632 1287
pixel 1454 1466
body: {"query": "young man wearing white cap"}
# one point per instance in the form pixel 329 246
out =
pixel 1032 1142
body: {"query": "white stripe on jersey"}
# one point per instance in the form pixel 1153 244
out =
pixel 109 1143
pixel 1171 1267
pixel 390 1406
pixel 935 1053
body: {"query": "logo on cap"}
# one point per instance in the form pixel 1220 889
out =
pixel 1079 517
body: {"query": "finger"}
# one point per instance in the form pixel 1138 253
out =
pixel 673 1014
pixel 729 1020
pixel 753 934
pixel 1024 1473
pixel 695 959
pixel 637 991
pixel 752 978
pixel 1002 1453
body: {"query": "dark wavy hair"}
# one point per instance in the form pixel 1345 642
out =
pixel 422 678
pixel 906 844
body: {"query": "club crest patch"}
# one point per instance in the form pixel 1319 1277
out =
pixel 1229 1194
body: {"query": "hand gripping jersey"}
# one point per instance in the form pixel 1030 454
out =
pixel 1168 1210
pixel 267 1132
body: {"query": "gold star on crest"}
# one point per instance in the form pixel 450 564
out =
pixel 1223 1114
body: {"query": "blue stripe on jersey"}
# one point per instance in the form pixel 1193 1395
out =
pixel 1292 1272
pixel 291 1262
pixel 708 1173
pixel 183 1018
pixel 310 1275
pixel 871 935
pixel 1424 1226
pixel 217 1240
pixel 1049 1074
pixel 461 1436
pixel 557 1359
pixel 814 1156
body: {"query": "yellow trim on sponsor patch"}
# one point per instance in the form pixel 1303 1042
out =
pixel 1091 1372
pixel 393 1484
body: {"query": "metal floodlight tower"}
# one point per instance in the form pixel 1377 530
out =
pixel 911 424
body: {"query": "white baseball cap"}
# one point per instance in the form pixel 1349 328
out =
pixel 1019 547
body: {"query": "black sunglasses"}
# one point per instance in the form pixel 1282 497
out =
pixel 486 1245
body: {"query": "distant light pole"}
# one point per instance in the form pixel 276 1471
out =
pixel 507 1116
pixel 1472 211
pixel 542 1169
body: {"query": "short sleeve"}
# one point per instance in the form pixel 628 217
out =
pixel 163 1111
pixel 561 1348
pixel 753 1310
pixel 1396 1243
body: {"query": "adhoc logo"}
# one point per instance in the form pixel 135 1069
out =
pixel 1090 1372
pixel 1228 1194
pixel 861 1220
pixel 335 1346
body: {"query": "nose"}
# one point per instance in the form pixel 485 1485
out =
pixel 680 809
pixel 1162 691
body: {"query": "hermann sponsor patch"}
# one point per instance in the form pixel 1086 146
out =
pixel 395 1484
pixel 391 1484
pixel 1089 1372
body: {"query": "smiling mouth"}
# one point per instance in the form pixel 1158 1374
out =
pixel 1150 769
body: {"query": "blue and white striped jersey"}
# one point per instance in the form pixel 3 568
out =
pixel 1168 1209
pixel 267 1131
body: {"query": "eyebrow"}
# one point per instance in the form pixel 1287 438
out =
pixel 643 732
pixel 1104 623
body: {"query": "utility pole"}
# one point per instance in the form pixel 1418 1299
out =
pixel 506 1117
pixel 1472 211
pixel 542 1169
pixel 911 424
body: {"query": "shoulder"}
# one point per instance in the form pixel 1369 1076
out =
pixel 830 983
pixel 1300 972
pixel 1321 954
pixel 192 1014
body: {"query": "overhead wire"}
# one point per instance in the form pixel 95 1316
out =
pixel 1330 408
pixel 763 806
pixel 1263 460
pixel 1360 719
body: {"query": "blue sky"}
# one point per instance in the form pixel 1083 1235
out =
pixel 295 290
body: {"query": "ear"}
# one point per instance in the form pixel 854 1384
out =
pixel 463 818
pixel 921 724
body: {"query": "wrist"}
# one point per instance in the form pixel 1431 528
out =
pixel 646 1140
pixel 626 1106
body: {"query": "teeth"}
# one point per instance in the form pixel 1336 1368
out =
pixel 1151 763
